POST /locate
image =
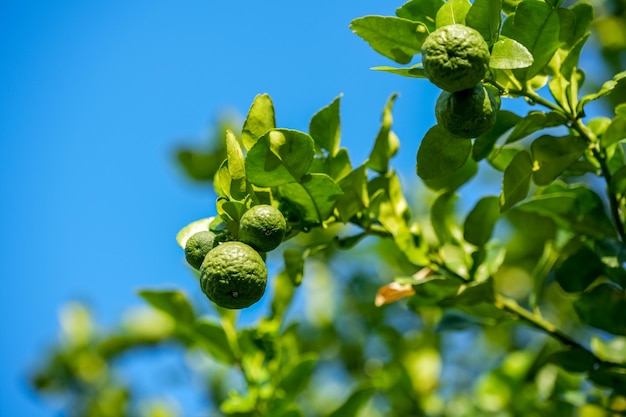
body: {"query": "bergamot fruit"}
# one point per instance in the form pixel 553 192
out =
pixel 233 275
pixel 262 227
pixel 455 57
pixel 197 246
pixel 468 113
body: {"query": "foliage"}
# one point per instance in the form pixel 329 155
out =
pixel 383 306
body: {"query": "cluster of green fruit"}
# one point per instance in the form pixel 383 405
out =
pixel 232 270
pixel 456 59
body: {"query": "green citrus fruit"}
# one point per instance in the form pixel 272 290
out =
pixel 468 113
pixel 198 245
pixel 455 57
pixel 233 275
pixel 262 227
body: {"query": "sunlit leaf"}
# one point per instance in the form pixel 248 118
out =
pixel 260 119
pixel 509 54
pixel 191 229
pixel 313 197
pixel 279 157
pixel 387 142
pixel 423 11
pixel 393 37
pixel 553 155
pixel 171 302
pixel 415 71
pixel 325 128
pixel 481 220
pixel 212 338
pixel 452 12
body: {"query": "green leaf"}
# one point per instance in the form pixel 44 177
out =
pixel 536 26
pixel 452 12
pixel 579 270
pixel 456 179
pixel 480 221
pixel 325 128
pixel 484 16
pixel 509 54
pixel 501 157
pixel 603 307
pixel 294 265
pixel 423 11
pixel 236 167
pixel 212 338
pixel 434 290
pixel 313 197
pixel 441 153
pixel 583 13
pixel 610 351
pixel 483 145
pixel 171 302
pixel 393 37
pixel 516 180
pixel 442 217
pixel 355 195
pixel 475 293
pixel 618 181
pixel 552 155
pixel 354 403
pixel 279 157
pixel 414 71
pixel 613 377
pixel 615 132
pixel 295 379
pixel 573 360
pixel 620 110
pixel 260 119
pixel 387 142
pixel 533 122
pixel 606 89
pixel 191 229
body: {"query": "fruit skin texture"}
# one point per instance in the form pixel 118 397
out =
pixel 233 275
pixel 468 113
pixel 262 227
pixel 455 57
pixel 198 245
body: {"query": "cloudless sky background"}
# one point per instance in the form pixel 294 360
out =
pixel 95 97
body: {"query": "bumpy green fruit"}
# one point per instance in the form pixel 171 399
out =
pixel 198 245
pixel 262 227
pixel 455 57
pixel 468 113
pixel 233 275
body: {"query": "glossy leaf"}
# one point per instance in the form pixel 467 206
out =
pixel 484 16
pixel 260 119
pixel 441 153
pixel 355 195
pixel 452 12
pixel 509 54
pixel 455 180
pixel 313 197
pixel 442 217
pixel 393 37
pixel 536 26
pixel 481 220
pixel 279 157
pixel 552 155
pixel 325 128
pixel 191 229
pixel 423 11
pixel 516 180
pixel 386 144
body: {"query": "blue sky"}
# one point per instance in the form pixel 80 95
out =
pixel 95 97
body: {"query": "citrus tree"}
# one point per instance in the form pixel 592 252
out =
pixel 383 301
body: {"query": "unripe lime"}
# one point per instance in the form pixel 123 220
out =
pixel 262 227
pixel 198 245
pixel 468 113
pixel 455 57
pixel 233 275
